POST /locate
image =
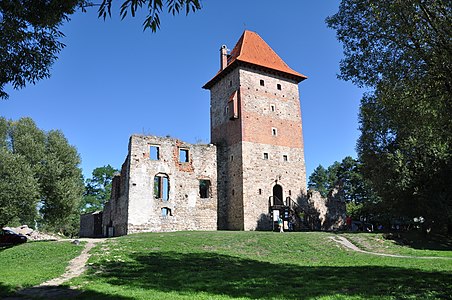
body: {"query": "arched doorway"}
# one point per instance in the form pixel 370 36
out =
pixel 278 194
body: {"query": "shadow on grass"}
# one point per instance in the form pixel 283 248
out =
pixel 419 240
pixel 58 292
pixel 216 274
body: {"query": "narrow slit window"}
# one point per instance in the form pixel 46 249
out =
pixel 183 155
pixel 260 191
pixel 274 132
pixel 265 155
pixel 262 83
pixel 272 107
pixel 154 153
pixel 204 188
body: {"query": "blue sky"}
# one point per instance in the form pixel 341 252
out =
pixel 113 80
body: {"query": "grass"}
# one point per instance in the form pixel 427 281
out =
pixel 32 263
pixel 257 265
pixel 410 243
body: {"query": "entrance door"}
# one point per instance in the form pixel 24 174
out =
pixel 278 194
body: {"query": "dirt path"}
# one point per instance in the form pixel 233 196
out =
pixel 345 242
pixel 51 289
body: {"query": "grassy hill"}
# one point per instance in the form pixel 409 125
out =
pixel 258 265
pixel 239 265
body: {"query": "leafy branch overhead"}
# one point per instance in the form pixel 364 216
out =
pixel 30 32
pixel 153 7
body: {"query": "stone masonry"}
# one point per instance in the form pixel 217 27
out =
pixel 253 168
pixel 159 192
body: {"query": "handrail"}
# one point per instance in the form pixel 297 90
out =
pixel 273 200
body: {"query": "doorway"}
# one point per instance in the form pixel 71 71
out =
pixel 278 194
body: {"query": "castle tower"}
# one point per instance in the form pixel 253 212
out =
pixel 256 124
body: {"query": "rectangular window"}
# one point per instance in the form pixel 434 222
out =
pixel 272 107
pixel 265 155
pixel 284 157
pixel 154 153
pixel 183 155
pixel 262 82
pixel 274 132
pixel 204 188
pixel 278 86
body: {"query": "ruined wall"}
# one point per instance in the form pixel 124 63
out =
pixel 326 213
pixel 180 206
pixel 115 213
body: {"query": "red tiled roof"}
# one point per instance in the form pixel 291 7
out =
pixel 252 49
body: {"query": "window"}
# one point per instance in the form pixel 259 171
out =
pixel 284 157
pixel 204 188
pixel 272 107
pixel 262 82
pixel 265 155
pixel 278 86
pixel 183 155
pixel 166 212
pixel 230 82
pixel 161 187
pixel 260 191
pixel 232 157
pixel 154 153
pixel 274 132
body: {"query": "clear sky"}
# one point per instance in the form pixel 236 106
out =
pixel 113 80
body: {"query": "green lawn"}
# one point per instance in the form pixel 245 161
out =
pixel 258 265
pixel 32 263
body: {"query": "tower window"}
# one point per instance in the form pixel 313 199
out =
pixel 260 191
pixel 154 153
pixel 262 82
pixel 272 107
pixel 204 187
pixel 161 187
pixel 230 82
pixel 183 155
pixel 278 86
pixel 274 132
pixel 265 155
pixel 284 157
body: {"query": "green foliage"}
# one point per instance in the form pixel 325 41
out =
pixel 29 39
pixel 32 263
pixel 347 178
pixel 318 181
pixel 255 265
pixel 18 189
pixel 98 189
pixel 38 166
pixel 153 7
pixel 402 50
pixel 30 35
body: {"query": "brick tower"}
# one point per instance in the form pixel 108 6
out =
pixel 255 121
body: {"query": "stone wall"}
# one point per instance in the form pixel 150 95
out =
pixel 180 206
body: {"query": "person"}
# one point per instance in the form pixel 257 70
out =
pixel 280 224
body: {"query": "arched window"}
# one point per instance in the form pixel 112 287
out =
pixel 161 187
pixel 166 212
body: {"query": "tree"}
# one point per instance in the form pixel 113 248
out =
pixel 30 35
pixel 318 181
pixel 401 51
pixel 98 189
pixel 18 189
pixel 41 168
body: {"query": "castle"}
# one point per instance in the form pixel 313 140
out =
pixel 252 172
